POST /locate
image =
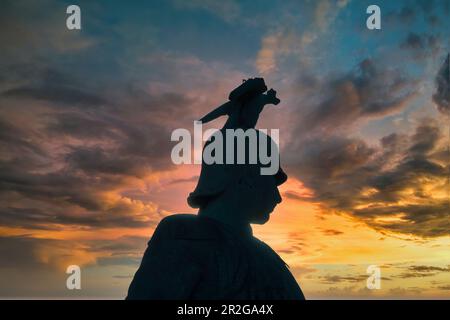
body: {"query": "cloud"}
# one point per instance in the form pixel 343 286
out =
pixel 301 271
pixel 330 279
pixel 408 275
pixel 420 271
pixel 444 287
pixel 45 185
pixel 125 277
pixel 416 9
pixel 32 29
pixel 39 81
pixel 266 60
pixel 57 94
pixel 97 214
pixel 395 186
pixel 421 268
pixel 327 11
pixel 296 196
pixel 409 291
pixel 346 292
pixel 227 10
pixel 275 47
pixel 284 40
pixel 442 96
pixel 331 232
pixel 27 253
pixel 71 164
pixel 405 15
pixel 369 91
pixel 20 252
pixel 419 42
pixel 184 180
pixel 118 261
pixel 124 245
pixel 36 267
pixel 80 153
pixel 422 45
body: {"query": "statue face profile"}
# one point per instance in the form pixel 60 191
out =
pixel 258 196
pixel 250 199
pixel 241 192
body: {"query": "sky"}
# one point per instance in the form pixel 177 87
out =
pixel 86 118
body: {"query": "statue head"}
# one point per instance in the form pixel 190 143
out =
pixel 240 191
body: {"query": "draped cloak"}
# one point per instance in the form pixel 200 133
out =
pixel 195 257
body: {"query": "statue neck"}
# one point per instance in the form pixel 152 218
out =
pixel 229 218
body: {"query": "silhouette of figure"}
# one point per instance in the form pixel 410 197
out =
pixel 246 103
pixel 214 255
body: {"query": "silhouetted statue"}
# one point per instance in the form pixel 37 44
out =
pixel 213 255
pixel 246 103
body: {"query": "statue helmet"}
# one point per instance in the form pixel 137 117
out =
pixel 248 88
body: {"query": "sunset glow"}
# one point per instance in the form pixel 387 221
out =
pixel 86 119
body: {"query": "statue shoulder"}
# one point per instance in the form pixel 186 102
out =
pixel 186 227
pixel 269 252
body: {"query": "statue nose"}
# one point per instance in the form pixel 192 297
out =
pixel 278 197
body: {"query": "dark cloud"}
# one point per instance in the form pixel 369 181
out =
pixel 446 6
pixel 433 20
pixel 56 187
pixel 427 220
pixel 185 180
pixel 331 232
pixel 36 34
pixel 372 183
pixel 408 275
pixel 21 252
pixel 96 160
pixel 422 45
pixel 54 216
pixel 82 126
pixel 56 94
pixel 426 6
pixel 421 268
pixel 124 251
pixel 444 287
pixel 424 140
pixel 295 196
pixel 415 9
pixel 332 279
pixel 72 148
pixel 86 122
pixel 367 92
pixel 125 277
pixel 442 95
pixel 15 140
pixel 68 164
pixel 26 253
pixel 384 185
pixel 36 267
pixel 301 271
pixel 421 271
pixel 404 15
pixel 401 291
pixel 125 246
pixel 336 278
pixel 119 261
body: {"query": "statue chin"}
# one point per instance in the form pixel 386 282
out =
pixel 261 218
